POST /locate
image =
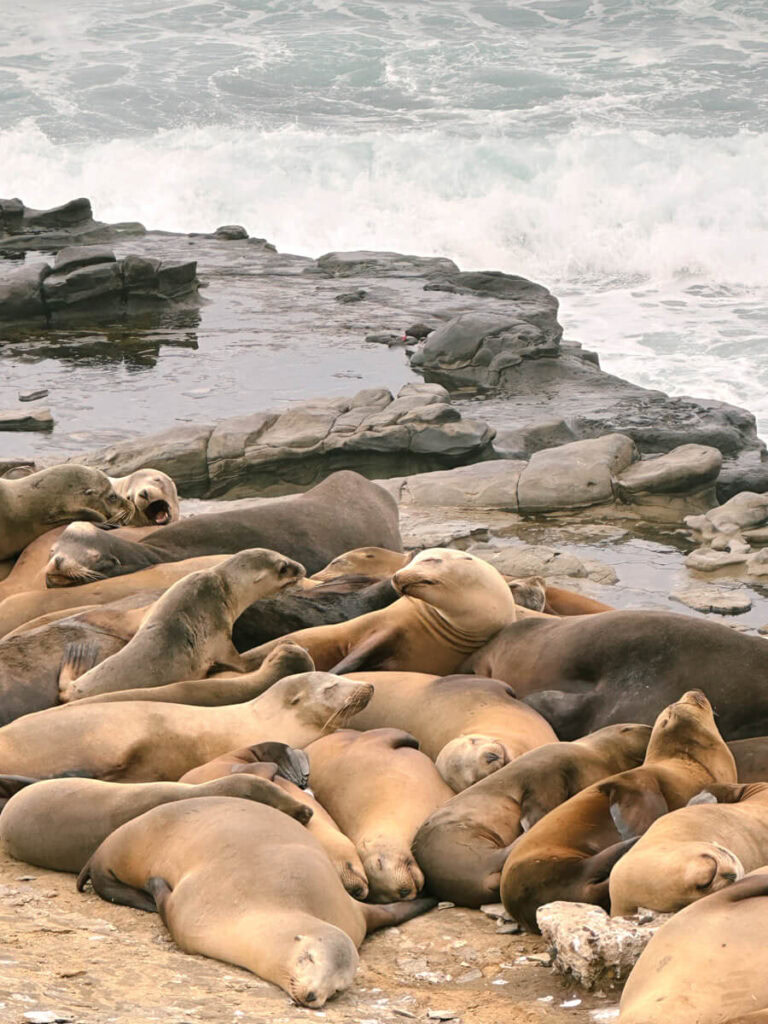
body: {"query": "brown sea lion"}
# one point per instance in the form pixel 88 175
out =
pixel 721 836
pixel 751 757
pixel 21 608
pixel 452 603
pixel 379 787
pixel 243 888
pixel 188 632
pixel 59 823
pixel 153 495
pixel 569 853
pixel 291 763
pixel 462 846
pixel 707 965
pixel 83 553
pixel 34 504
pixel 145 741
pixel 584 672
pixel 469 726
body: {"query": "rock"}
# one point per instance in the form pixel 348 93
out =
pixel 74 256
pixel 231 232
pixel 12 469
pixel 381 264
pixel 574 475
pixel 536 560
pixel 32 396
pixel 594 949
pixel 346 298
pixel 418 331
pixel 708 560
pixel 713 599
pixel 757 563
pixel 22 228
pixel 387 338
pixel 484 485
pixel 21 293
pixel 35 419
pixel 521 444
pixel 441 1015
pixel 687 468
pixel 743 511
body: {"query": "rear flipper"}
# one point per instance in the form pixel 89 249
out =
pixel 112 889
pixel 160 890
pixel 386 915
pixel 11 784
pixel 597 869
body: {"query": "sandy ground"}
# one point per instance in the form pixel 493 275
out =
pixel 71 957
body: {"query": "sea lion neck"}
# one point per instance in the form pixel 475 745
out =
pixel 439 625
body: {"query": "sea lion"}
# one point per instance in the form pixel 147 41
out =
pixel 377 563
pixel 469 726
pixel 462 846
pixel 153 495
pixel 451 604
pixel 21 608
pixel 291 764
pixel 708 964
pixel 243 888
pixel 379 787
pixel 343 512
pixel 189 630
pixel 584 672
pixel 751 757
pixel 286 659
pixel 568 854
pixel 140 741
pixel 59 823
pixel 35 504
pixel 83 553
pixel 721 836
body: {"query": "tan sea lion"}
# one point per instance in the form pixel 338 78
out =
pixel 379 787
pixel 708 964
pixel 569 853
pixel 243 888
pixel 35 504
pixel 462 846
pixel 376 563
pixel 140 741
pixel 84 553
pixel 451 604
pixel 721 836
pixel 468 725
pixel 21 608
pixel 153 495
pixel 59 823
pixel 188 632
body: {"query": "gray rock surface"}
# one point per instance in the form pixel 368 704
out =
pixel 594 949
pixel 538 560
pixel 22 228
pixel 574 475
pixel 31 419
pixel 713 599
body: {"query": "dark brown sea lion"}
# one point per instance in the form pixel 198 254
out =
pixel 708 964
pixel 252 889
pixel 569 853
pixel 59 823
pixel 188 631
pixel 291 763
pixel 462 846
pixel 379 788
pixel 585 672
pixel 751 757
pixel 34 504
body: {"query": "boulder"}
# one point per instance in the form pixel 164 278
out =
pixel 523 560
pixel 574 475
pixel 687 468
pixel 22 228
pixel 490 484
pixel 593 949
pixel 713 599
pixel 381 264
pixel 21 293
pixel 33 419
pixel 231 232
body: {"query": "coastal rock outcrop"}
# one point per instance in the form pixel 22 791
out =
pixel 22 228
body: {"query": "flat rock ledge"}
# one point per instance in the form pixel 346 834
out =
pixel 22 228
pixel 89 280
pixel 277 452
pixel 594 949
pixel 593 474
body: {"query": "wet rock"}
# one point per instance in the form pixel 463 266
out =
pixel 21 293
pixel 418 331
pixel 22 228
pixel 484 485
pixel 591 947
pixel 574 475
pixel 35 419
pixel 744 511
pixel 713 599
pixel 33 396
pixel 537 560
pixel 74 256
pixel 708 560
pixel 231 232
pixel 347 298
pixel 381 264
pixel 387 338
pixel 689 467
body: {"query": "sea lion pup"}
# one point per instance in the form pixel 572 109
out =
pixel 469 726
pixel 379 787
pixel 587 671
pixel 145 741
pixel 31 660
pixel 290 763
pixel 287 659
pixel 451 604
pixel 35 504
pixel 59 823
pixel 721 836
pixel 153 495
pixel 22 608
pixel 243 888
pixel 568 855
pixel 708 964
pixel 462 846
pixel 189 630
pixel 378 563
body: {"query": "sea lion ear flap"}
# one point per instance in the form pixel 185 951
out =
pixel 634 805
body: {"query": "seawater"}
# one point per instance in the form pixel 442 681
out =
pixel 614 150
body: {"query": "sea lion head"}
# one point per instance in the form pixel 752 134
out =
pixel 369 561
pixel 392 872
pixel 322 961
pixel 530 592
pixel 467 591
pixel 250 571
pixel 70 492
pixel 322 699
pixel 153 496
pixel 687 729
pixel 467 759
pixel 630 738
pixel 85 553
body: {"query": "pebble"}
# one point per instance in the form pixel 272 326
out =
pixel 570 1003
pixel 441 1015
pixel 468 976
pixel 32 396
pixel 403 1013
pixel 47 1017
pixel 445 905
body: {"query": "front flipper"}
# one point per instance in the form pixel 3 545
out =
pixel 110 888
pixel 368 654
pixel 635 804
pixel 386 915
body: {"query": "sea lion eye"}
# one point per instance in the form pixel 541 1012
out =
pixel 89 491
pixel 113 498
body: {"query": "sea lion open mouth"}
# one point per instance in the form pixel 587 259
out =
pixel 158 512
